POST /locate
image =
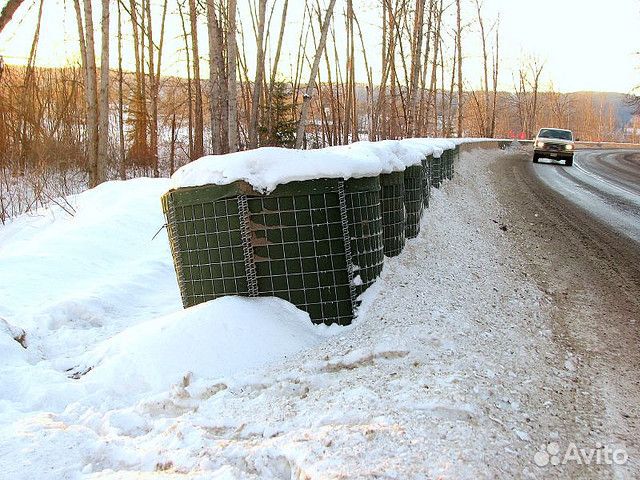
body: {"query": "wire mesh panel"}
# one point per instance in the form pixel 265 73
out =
pixel 299 249
pixel 447 159
pixel 300 243
pixel 206 243
pixel 435 172
pixel 456 157
pixel 393 212
pixel 365 230
pixel 426 180
pixel 413 200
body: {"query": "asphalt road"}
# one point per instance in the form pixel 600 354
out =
pixel 577 230
pixel 604 183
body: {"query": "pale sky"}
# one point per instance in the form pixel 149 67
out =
pixel 586 45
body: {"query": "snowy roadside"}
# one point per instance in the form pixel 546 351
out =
pixel 449 371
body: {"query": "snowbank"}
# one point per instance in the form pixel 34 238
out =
pixel 93 296
pixel 266 168
pixel 217 338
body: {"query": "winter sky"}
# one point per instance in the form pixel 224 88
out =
pixel 585 45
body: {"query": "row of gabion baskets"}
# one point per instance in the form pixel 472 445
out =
pixel 317 243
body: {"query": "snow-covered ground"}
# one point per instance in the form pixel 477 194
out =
pixel 447 372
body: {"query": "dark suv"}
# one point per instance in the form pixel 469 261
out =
pixel 554 143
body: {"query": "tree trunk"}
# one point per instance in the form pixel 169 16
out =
pixel 103 110
pixel 484 113
pixel 259 79
pixel 306 101
pixel 232 88
pixel 216 70
pixel 198 143
pixel 7 12
pixel 496 66
pixel 416 57
pixel 460 87
pixel 433 97
pixel 276 61
pixel 122 165
pixel 189 92
pixel 91 92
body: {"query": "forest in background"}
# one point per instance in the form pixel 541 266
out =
pixel 65 129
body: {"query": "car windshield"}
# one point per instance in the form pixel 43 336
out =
pixel 552 133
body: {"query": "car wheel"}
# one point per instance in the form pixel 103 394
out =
pixel 569 162
pixel 535 158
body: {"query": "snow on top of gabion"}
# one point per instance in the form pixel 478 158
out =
pixel 266 168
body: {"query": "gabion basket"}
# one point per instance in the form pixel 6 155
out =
pixel 447 161
pixel 413 200
pixel 364 212
pixel 302 242
pixel 393 212
pixel 435 168
pixel 426 180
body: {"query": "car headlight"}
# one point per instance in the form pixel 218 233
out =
pixel 569 147
pixel 540 144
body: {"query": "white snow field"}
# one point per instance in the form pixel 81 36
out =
pixel 440 375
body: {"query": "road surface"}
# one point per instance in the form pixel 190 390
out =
pixel 606 183
pixel 578 230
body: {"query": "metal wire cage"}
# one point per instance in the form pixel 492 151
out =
pixel 364 212
pixel 436 172
pixel 447 164
pixel 305 242
pixel 426 180
pixel 413 200
pixel 393 212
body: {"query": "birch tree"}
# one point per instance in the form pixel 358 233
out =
pixel 311 84
pixel 460 79
pixel 416 57
pixel 232 88
pixel 198 137
pixel 216 79
pixel 8 11
pixel 259 77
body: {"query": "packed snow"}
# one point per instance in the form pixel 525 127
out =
pixel 266 168
pixel 117 381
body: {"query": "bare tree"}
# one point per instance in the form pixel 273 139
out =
pixel 122 171
pixel 189 85
pixel 103 110
pixel 259 78
pixel 460 79
pixel 8 11
pixel 87 49
pixel 198 142
pixel 526 94
pixel 306 101
pixel 216 79
pixel 232 88
pixel 496 71
pixel 483 111
pixel 276 61
pixel 416 57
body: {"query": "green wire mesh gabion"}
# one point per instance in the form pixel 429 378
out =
pixel 456 157
pixel 413 189
pixel 393 212
pixel 435 168
pixel 204 231
pixel 297 243
pixel 365 229
pixel 426 180
pixel 447 162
